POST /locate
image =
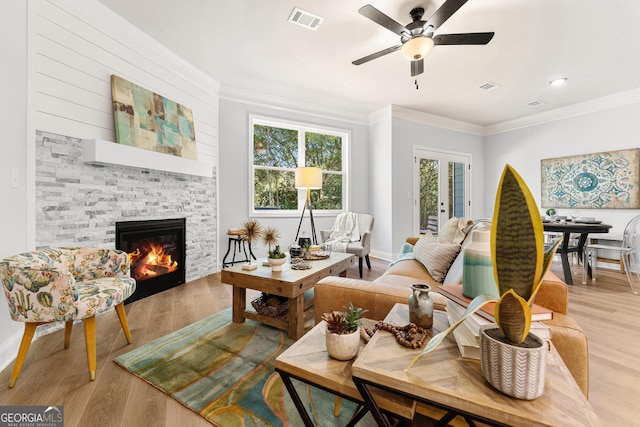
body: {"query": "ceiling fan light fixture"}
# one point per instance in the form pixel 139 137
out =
pixel 417 48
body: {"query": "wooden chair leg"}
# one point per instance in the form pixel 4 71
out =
pixel 123 321
pixel 366 258
pixel 337 403
pixel 29 331
pixel 360 266
pixel 68 327
pixel 90 342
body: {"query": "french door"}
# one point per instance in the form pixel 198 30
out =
pixel 441 188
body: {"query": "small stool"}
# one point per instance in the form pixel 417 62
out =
pixel 238 246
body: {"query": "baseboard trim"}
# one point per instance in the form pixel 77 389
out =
pixel 385 256
pixel 9 350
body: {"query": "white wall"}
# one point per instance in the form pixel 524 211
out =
pixel 75 52
pixel 380 187
pixel 13 109
pixel 407 135
pixel 234 170
pixel 608 130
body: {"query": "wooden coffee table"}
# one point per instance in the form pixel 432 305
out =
pixel 445 380
pixel 307 360
pixel 287 283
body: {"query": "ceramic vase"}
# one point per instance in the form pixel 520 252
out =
pixel 421 306
pixel 343 346
pixel 477 269
pixel 276 263
pixel 515 371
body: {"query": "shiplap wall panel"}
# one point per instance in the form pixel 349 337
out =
pixel 77 50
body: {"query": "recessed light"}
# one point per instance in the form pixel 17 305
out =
pixel 558 82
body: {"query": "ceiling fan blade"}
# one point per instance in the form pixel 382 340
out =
pixel 466 38
pixel 447 9
pixel 376 55
pixel 417 67
pixel 380 18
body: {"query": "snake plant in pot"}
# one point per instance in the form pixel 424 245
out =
pixel 512 360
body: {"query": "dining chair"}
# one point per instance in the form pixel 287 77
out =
pixel 629 251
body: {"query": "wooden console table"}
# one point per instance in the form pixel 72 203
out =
pixel 287 283
pixel 445 380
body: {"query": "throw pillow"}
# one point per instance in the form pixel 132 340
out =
pixel 436 257
pixel 453 230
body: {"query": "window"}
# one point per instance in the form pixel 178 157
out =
pixel 278 148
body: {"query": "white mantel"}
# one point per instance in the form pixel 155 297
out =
pixel 107 152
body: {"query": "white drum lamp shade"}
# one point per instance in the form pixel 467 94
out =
pixel 309 178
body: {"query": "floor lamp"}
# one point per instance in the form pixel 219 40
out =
pixel 309 178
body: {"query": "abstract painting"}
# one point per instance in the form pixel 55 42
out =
pixel 147 120
pixel 607 180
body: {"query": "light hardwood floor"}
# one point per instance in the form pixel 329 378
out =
pixel 607 311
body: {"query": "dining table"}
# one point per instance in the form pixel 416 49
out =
pixel 567 228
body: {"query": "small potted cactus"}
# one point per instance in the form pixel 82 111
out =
pixel 343 332
pixel 277 258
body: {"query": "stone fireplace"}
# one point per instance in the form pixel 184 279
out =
pixel 79 204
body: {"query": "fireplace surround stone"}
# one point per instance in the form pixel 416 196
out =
pixel 78 204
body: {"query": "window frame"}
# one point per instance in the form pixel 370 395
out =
pixel 302 128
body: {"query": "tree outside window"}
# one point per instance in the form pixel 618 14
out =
pixel 278 149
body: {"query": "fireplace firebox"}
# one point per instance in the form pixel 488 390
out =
pixel 156 250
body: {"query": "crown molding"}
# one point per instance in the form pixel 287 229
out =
pixel 395 111
pixel 435 120
pixel 598 104
pixel 231 93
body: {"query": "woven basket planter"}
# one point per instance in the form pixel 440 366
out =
pixel 515 371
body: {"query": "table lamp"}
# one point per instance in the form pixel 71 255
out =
pixel 309 178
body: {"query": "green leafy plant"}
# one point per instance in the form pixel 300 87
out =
pixel 276 253
pixel 519 261
pixel 344 322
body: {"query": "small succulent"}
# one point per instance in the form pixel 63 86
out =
pixel 276 253
pixel 344 322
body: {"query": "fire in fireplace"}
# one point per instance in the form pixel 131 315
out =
pixel 156 250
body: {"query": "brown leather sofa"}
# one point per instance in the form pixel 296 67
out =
pixel 379 296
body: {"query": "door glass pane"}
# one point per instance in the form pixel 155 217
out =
pixel 456 190
pixel 429 195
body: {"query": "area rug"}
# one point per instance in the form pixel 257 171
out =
pixel 224 371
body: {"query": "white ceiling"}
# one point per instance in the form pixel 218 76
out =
pixel 248 45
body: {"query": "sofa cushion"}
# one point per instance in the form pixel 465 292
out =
pixel 436 257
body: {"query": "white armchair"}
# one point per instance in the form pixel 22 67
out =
pixel 360 248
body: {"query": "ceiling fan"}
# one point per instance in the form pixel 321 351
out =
pixel 417 38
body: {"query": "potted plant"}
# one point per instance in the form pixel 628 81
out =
pixel 343 332
pixel 512 360
pixel 276 259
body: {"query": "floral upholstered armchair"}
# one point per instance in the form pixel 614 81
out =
pixel 66 284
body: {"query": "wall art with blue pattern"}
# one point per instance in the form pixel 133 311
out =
pixel 607 180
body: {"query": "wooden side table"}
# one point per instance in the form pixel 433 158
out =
pixel 445 380
pixel 238 247
pixel 307 360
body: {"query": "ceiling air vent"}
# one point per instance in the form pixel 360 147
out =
pixel 534 103
pixel 489 86
pixel 305 19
